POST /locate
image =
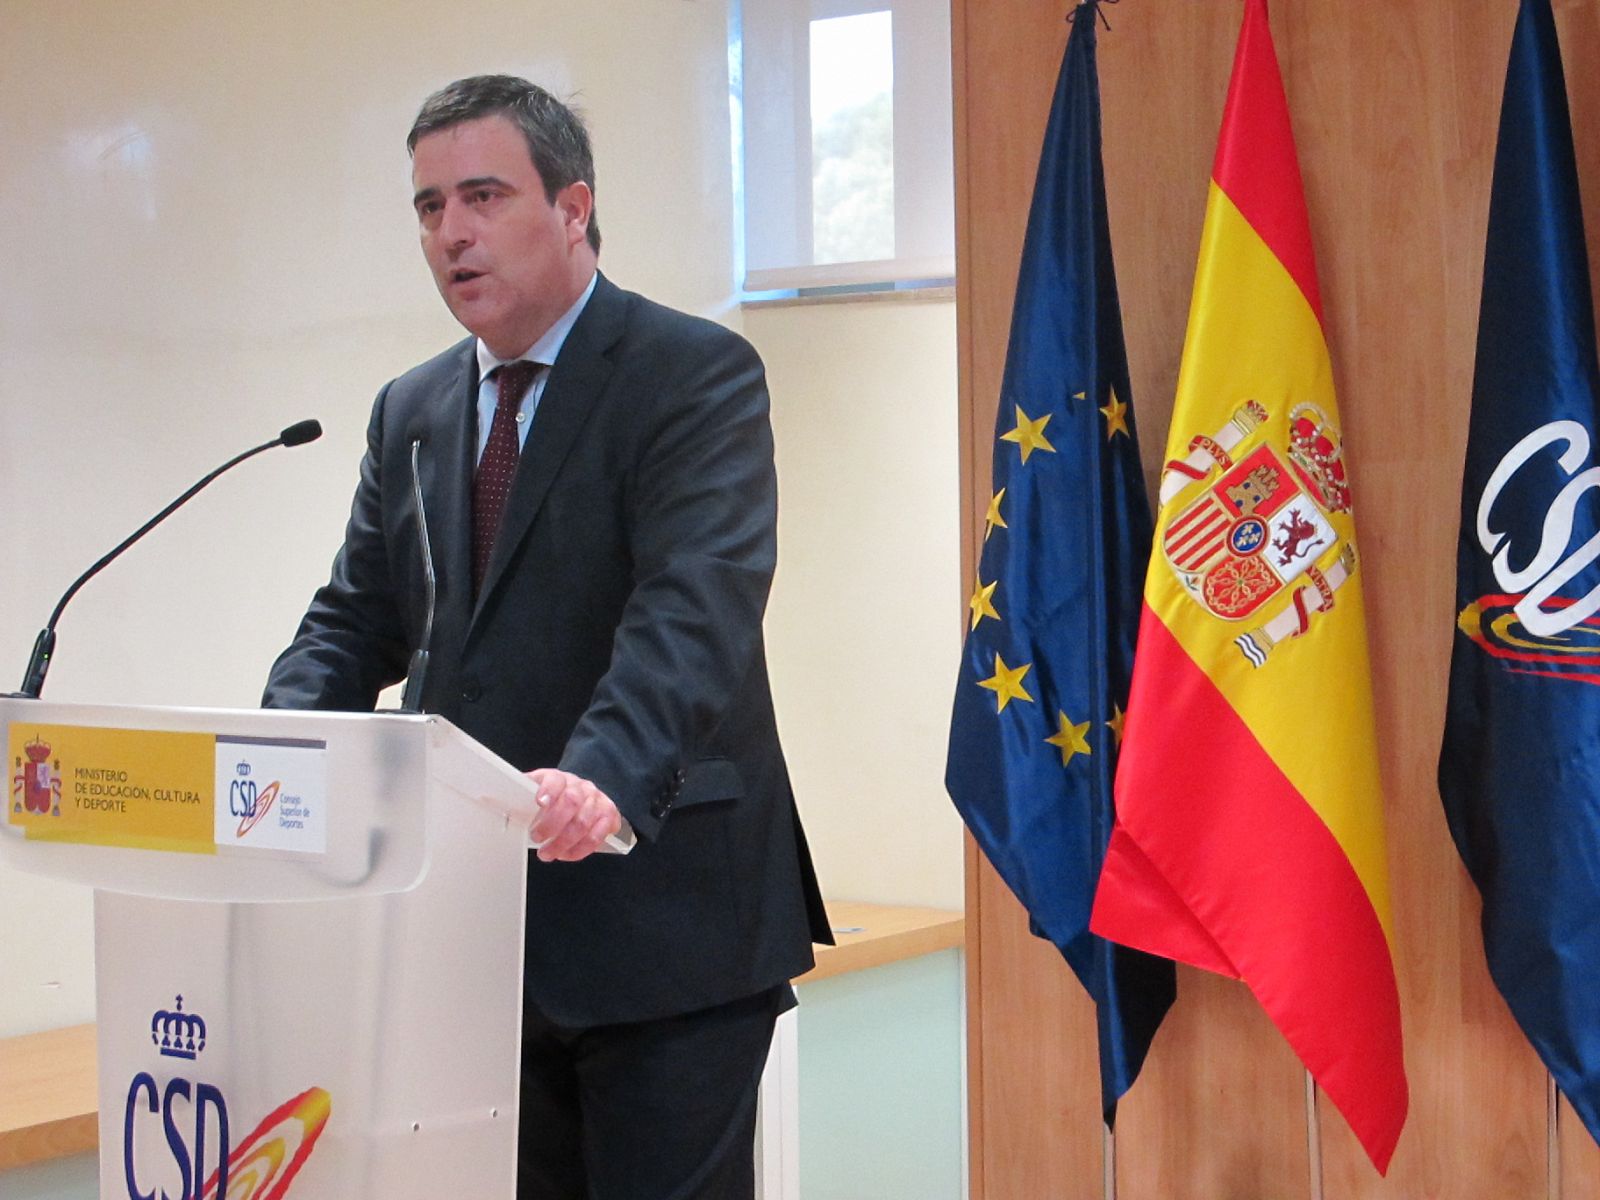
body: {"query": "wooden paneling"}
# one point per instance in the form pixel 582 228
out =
pixel 1396 110
pixel 1580 1159
pixel 1035 1085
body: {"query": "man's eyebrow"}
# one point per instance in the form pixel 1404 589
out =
pixel 464 185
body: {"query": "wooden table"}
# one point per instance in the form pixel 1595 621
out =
pixel 47 1096
pixel 871 935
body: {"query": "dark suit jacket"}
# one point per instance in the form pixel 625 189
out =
pixel 617 635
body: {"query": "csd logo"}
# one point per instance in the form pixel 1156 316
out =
pixel 242 796
pixel 182 1109
pixel 247 800
pixel 1551 567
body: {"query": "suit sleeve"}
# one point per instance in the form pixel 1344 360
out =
pixel 351 643
pixel 703 537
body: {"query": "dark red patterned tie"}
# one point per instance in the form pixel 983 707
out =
pixel 498 466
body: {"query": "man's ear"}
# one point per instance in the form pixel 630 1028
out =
pixel 576 203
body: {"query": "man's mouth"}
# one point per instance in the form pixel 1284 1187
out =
pixel 463 275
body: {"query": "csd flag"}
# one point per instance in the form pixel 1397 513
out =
pixel 1520 769
pixel 1249 836
pixel 1044 676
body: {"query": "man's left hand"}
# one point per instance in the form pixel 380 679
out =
pixel 575 819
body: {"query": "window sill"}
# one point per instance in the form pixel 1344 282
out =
pixel 941 293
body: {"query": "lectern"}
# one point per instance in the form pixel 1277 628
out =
pixel 308 944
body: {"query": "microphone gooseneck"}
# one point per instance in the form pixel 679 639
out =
pixel 417 671
pixel 297 434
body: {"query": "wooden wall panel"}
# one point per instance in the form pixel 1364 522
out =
pixel 1579 1169
pixel 1041 1089
pixel 1395 109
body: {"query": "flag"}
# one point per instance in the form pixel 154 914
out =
pixel 1054 610
pixel 1249 837
pixel 1519 771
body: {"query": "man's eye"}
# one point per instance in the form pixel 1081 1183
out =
pixel 482 196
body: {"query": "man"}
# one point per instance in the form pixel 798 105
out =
pixel 603 530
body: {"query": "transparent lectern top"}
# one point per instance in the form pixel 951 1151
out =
pixel 237 805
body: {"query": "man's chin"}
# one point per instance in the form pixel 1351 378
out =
pixel 475 317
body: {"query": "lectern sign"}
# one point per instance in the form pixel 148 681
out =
pixel 166 790
pixel 177 1132
pixel 270 794
pixel 113 787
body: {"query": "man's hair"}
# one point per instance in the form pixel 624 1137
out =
pixel 557 141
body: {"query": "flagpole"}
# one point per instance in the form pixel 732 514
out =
pixel 1108 1159
pixel 1313 1137
pixel 1552 1137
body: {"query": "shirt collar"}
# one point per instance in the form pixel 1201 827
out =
pixel 548 346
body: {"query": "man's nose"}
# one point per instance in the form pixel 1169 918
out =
pixel 455 226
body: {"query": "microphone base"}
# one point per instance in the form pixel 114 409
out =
pixel 38 664
pixel 416 674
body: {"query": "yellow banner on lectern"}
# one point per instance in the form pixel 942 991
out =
pixel 143 789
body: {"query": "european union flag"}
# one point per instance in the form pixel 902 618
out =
pixel 1055 609
pixel 1520 769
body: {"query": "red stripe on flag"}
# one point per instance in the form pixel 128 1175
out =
pixel 1256 163
pixel 1224 842
pixel 1150 914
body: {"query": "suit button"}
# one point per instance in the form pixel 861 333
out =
pixel 471 690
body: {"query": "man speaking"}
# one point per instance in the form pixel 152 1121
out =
pixel 601 502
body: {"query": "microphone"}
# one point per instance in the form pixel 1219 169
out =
pixel 44 646
pixel 417 670
pixel 297 434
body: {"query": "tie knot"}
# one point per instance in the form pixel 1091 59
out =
pixel 514 379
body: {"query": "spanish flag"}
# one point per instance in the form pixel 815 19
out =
pixel 1249 834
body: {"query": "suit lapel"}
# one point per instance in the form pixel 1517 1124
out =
pixel 576 381
pixel 447 462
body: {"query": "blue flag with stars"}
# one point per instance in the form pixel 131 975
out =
pixel 1055 608
pixel 1519 772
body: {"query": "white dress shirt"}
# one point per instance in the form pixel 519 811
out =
pixel 543 351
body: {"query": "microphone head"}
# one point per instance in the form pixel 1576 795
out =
pixel 300 433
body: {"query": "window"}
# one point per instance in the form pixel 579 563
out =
pixel 852 138
pixel 847 177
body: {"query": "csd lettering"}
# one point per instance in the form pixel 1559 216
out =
pixel 177 1115
pixel 1551 566
pixel 242 795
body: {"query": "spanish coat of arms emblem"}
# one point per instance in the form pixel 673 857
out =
pixel 36 786
pixel 1260 525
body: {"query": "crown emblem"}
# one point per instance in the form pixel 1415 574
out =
pixel 37 751
pixel 242 770
pixel 1318 457
pixel 178 1034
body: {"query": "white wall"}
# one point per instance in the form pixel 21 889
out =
pixel 864 625
pixel 209 236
